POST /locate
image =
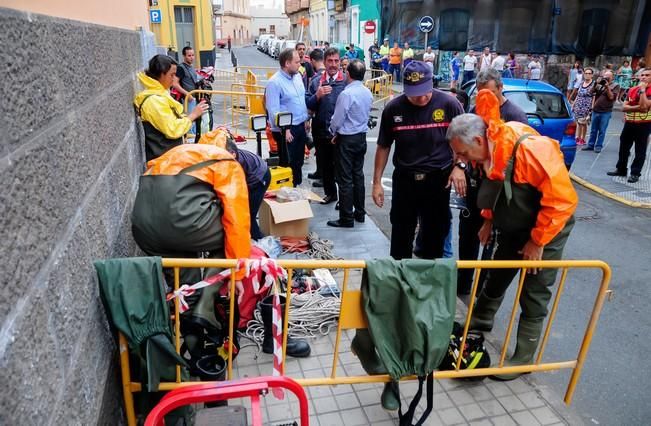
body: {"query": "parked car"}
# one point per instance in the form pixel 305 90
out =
pixel 287 44
pixel 268 45
pixel 274 50
pixel 262 40
pixel 221 43
pixel 547 108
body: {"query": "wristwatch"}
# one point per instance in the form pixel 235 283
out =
pixel 461 165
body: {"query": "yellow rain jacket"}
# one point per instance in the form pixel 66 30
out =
pixel 227 180
pixel 539 163
pixel 163 119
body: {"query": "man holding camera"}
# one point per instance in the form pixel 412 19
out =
pixel 606 92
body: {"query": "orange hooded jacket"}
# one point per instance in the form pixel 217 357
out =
pixel 539 162
pixel 226 178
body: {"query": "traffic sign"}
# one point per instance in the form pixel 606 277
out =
pixel 155 16
pixel 369 27
pixel 426 24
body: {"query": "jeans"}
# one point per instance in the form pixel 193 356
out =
pixel 395 68
pixel 427 198
pixel 349 168
pixel 191 104
pixel 468 75
pixel 633 134
pixel 598 129
pixel 293 153
pixel 256 195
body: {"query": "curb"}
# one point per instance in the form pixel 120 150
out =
pixel 607 194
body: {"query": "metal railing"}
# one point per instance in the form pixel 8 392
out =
pixel 352 317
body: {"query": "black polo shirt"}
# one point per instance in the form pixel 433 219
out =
pixel 419 132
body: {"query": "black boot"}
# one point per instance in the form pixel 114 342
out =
pixel 298 348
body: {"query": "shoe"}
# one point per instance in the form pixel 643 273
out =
pixel 587 148
pixel 337 206
pixel 633 178
pixel 525 348
pixel 340 224
pixel 297 348
pixel 597 150
pixel 580 141
pixel 329 199
pixel 616 173
pixel 389 397
pixel 359 217
pixel 314 175
pixel 317 184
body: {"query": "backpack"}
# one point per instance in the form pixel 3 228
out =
pixel 474 354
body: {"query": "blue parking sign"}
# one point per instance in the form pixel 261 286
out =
pixel 155 16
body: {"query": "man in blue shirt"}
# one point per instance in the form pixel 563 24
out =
pixel 349 125
pixel 352 53
pixel 285 92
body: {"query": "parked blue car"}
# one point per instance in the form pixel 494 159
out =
pixel 547 107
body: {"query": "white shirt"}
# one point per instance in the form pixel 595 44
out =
pixel 498 63
pixel 429 59
pixel 535 70
pixel 469 63
pixel 485 62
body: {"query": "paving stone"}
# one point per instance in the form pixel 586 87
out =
pixel 499 389
pixel 376 413
pixel 314 421
pixel 460 397
pixel 505 420
pixel 368 396
pixel 320 391
pixel 348 358
pixel 330 419
pixel 492 407
pixel 518 386
pixel 525 418
pixel 280 412
pixel 314 374
pixel 347 401
pixel 342 389
pixel 511 403
pixel 354 417
pixel 441 400
pixel 471 411
pixel 545 415
pixel 324 405
pixel 531 399
pixel 480 393
pixel 451 416
pixel 309 363
pixel 484 422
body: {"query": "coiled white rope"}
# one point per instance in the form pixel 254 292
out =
pixel 312 315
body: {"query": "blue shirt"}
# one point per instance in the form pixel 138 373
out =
pixel 285 93
pixel 352 110
pixel 351 54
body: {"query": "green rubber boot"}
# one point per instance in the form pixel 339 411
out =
pixel 525 347
pixel 363 348
pixel 484 312
pixel 390 395
pixel 203 313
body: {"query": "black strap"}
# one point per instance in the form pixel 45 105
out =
pixel 407 418
pixel 510 167
pixel 201 165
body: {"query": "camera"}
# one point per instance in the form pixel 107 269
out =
pixel 372 121
pixel 600 85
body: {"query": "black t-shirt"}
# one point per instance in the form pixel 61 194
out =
pixel 187 75
pixel 419 132
pixel 309 73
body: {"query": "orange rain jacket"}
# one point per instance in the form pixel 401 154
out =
pixel 226 178
pixel 539 162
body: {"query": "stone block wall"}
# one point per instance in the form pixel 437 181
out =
pixel 70 157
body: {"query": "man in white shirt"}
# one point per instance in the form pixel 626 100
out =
pixel 498 62
pixel 429 57
pixel 485 60
pixel 469 63
pixel 535 69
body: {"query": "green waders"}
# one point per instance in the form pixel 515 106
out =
pixel 515 209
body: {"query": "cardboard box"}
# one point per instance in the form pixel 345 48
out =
pixel 289 219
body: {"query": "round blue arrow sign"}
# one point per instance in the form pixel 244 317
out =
pixel 426 24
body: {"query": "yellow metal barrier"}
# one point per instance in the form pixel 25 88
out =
pixel 263 73
pixel 352 317
pixel 381 87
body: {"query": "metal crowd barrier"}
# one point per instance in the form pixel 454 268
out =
pixel 381 87
pixel 352 317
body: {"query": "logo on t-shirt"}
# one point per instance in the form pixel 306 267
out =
pixel 438 115
pixel 397 118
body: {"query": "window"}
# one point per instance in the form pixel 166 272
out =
pixel 547 105
pixel 453 29
pixel 272 29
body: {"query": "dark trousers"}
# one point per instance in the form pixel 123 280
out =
pixel 325 164
pixel 349 169
pixel 256 195
pixel 294 152
pixel 469 225
pixel 468 75
pixel 415 196
pixel 633 134
pixel 395 68
pixel 536 290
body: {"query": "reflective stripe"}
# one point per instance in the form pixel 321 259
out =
pixel 421 126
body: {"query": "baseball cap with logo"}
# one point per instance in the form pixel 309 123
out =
pixel 417 79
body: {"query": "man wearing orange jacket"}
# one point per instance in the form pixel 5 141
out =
pixel 529 198
pixel 191 200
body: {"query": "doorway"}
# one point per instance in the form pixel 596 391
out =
pixel 184 19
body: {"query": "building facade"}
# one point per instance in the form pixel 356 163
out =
pixel 319 20
pixel 185 23
pixel 233 19
pixel 362 11
pixel 268 21
pixel 339 21
pixel 297 11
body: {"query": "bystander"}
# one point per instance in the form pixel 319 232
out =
pixel 606 93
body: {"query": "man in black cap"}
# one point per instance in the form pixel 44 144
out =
pixel 424 166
